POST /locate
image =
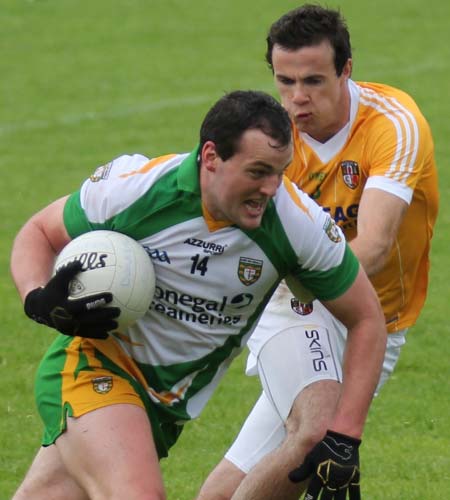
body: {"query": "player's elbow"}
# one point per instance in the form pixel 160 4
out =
pixel 381 256
pixel 373 254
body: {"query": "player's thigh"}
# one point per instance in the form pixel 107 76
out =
pixel 262 432
pixel 48 479
pixel 309 349
pixel 111 453
pixel 395 342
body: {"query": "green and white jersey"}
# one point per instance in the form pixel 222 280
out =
pixel 212 281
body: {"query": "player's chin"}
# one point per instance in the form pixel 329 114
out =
pixel 250 222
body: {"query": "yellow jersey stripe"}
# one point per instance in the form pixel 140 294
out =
pixel 149 165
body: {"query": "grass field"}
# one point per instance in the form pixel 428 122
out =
pixel 83 82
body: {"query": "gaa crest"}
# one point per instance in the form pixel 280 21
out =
pixel 301 308
pixel 102 385
pixel 76 287
pixel 101 173
pixel 249 270
pixel 332 230
pixel 350 173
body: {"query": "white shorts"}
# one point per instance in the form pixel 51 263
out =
pixel 305 348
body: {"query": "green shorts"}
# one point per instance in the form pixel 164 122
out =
pixel 79 375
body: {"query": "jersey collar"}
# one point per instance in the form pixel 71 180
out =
pixel 189 173
pixel 189 180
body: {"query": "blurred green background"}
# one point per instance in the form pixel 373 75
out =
pixel 84 81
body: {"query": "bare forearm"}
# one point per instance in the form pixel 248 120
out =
pixel 379 218
pixel 31 259
pixel 361 371
pixel 360 311
pixel 35 247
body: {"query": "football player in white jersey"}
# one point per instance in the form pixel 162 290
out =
pixel 113 403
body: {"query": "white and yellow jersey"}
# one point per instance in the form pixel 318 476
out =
pixel 387 144
pixel 212 280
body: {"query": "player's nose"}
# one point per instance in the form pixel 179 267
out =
pixel 270 185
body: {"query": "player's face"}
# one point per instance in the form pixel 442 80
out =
pixel 316 99
pixel 238 189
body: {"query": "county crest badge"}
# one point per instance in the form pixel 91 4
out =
pixel 101 173
pixel 332 231
pixel 249 270
pixel 350 173
pixel 301 308
pixel 102 385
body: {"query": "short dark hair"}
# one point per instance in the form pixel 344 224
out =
pixel 310 25
pixel 242 110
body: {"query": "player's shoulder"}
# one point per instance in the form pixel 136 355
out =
pixel 119 184
pixel 140 164
pixel 132 171
pixel 130 160
pixel 386 99
pixel 391 111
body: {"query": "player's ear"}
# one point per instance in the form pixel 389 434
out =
pixel 209 156
pixel 347 70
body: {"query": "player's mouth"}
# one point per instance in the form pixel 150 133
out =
pixel 255 208
pixel 301 117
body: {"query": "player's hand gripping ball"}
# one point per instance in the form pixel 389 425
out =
pixel 104 281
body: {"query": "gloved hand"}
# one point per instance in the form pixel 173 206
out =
pixel 85 317
pixel 333 465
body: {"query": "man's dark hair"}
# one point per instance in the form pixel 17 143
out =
pixel 243 110
pixel 310 25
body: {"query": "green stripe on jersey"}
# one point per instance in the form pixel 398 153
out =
pixel 271 237
pixel 195 375
pixel 142 218
pixel 341 276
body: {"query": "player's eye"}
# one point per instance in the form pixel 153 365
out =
pixel 256 174
pixel 313 80
pixel 284 80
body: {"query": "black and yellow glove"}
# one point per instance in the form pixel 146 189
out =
pixel 84 317
pixel 333 466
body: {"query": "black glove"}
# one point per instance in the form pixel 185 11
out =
pixel 334 466
pixel 85 317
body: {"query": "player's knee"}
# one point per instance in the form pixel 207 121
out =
pixel 40 486
pixel 312 414
pixel 42 491
pixel 222 482
pixel 304 439
pixel 303 435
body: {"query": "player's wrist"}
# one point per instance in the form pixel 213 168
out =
pixel 32 306
pixel 340 436
pixel 348 423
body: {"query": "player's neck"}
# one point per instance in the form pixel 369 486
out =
pixel 341 119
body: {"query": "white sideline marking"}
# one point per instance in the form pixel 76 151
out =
pixel 75 119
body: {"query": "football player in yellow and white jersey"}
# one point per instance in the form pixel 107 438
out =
pixel 386 149
pixel 365 153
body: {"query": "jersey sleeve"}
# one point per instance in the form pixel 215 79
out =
pixel 108 191
pixel 324 264
pixel 397 144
